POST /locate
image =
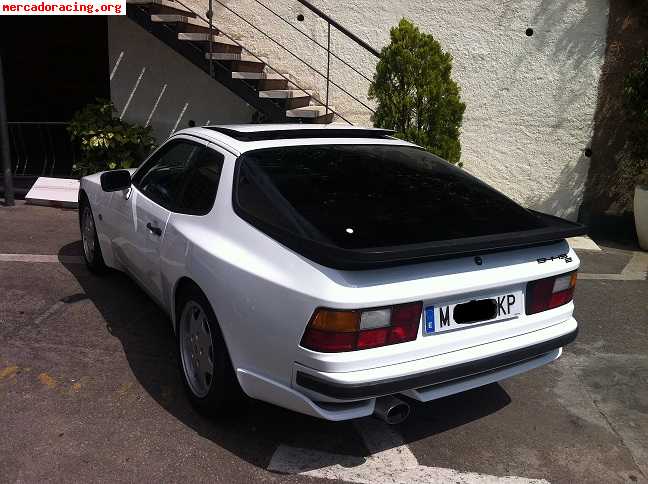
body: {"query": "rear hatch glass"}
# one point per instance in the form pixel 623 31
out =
pixel 375 203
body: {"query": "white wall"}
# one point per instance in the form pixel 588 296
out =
pixel 530 101
pixel 141 66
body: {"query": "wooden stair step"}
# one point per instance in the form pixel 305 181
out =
pixel 232 56
pixel 313 111
pixel 240 62
pixel 256 75
pixel 247 65
pixel 291 98
pixel 263 80
pixel 284 93
pixel 220 43
pixel 162 7
pixel 272 84
pixel 183 22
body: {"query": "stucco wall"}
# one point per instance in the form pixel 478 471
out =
pixel 530 100
pixel 150 83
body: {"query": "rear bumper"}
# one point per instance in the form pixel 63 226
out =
pixel 466 364
pixel 352 394
pixel 353 391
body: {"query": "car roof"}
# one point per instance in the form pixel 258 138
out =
pixel 245 137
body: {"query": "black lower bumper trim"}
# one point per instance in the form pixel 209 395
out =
pixel 433 377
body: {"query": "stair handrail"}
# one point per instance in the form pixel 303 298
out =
pixel 339 27
pixel 315 41
pixel 211 27
pixel 330 23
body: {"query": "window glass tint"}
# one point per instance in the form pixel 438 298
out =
pixel 201 182
pixel 362 196
pixel 163 179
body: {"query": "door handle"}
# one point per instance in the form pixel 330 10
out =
pixel 155 230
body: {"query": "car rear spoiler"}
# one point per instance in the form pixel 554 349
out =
pixel 556 229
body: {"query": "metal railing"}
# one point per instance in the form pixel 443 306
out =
pixel 41 148
pixel 326 76
pixel 339 27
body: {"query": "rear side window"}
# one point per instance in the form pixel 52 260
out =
pixel 201 183
pixel 368 196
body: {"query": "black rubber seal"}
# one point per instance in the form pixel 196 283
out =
pixel 433 377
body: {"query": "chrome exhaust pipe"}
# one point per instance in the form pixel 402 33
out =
pixel 391 410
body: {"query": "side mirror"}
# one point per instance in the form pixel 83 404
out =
pixel 115 180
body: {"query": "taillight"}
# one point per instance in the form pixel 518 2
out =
pixel 332 330
pixel 550 293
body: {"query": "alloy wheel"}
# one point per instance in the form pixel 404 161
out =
pixel 196 349
pixel 88 234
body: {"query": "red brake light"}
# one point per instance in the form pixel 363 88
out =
pixel 332 331
pixel 329 342
pixel 549 293
pixel 372 338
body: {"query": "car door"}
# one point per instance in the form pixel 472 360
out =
pixel 196 201
pixel 156 191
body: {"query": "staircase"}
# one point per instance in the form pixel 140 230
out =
pixel 248 76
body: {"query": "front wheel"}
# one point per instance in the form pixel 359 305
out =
pixel 204 361
pixel 91 248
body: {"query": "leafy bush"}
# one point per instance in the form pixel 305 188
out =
pixel 415 94
pixel 106 142
pixel 635 92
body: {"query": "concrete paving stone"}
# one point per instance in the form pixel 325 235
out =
pixel 30 229
pixel 609 261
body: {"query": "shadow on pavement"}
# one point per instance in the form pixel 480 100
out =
pixel 149 345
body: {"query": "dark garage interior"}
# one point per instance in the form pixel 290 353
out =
pixel 48 77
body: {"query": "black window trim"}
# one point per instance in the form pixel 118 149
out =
pixel 149 159
pixel 327 255
pixel 201 143
pixel 191 137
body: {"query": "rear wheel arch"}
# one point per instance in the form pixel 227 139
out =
pixel 182 286
pixel 185 285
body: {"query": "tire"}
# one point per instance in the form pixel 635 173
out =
pixel 204 362
pixel 89 240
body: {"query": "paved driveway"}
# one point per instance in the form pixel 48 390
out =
pixel 89 391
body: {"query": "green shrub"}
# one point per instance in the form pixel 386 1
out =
pixel 635 92
pixel 415 94
pixel 106 142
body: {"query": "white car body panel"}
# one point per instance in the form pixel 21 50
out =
pixel 264 294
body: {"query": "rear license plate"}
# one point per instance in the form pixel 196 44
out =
pixel 463 314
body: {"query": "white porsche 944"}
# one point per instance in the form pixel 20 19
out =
pixel 332 270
